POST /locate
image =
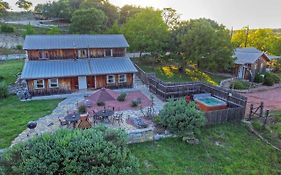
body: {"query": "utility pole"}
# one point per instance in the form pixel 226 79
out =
pixel 247 33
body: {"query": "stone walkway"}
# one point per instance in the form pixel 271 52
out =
pixel 50 123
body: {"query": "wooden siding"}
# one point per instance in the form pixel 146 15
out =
pixel 72 53
pixel 101 81
pixel 91 81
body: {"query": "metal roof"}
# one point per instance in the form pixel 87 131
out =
pixel 55 68
pixel 80 67
pixel 247 55
pixel 101 66
pixel 45 42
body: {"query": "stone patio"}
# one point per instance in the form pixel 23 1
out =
pixel 50 123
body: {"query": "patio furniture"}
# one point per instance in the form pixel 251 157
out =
pixel 84 122
pixel 72 118
pixel 117 118
pixel 105 114
pixel 62 121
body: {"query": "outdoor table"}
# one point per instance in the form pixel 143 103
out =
pixel 72 118
pixel 105 113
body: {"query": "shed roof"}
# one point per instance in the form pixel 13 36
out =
pixel 45 42
pixel 80 67
pixel 248 55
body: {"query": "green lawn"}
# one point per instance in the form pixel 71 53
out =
pixel 237 152
pixel 14 114
pixel 10 69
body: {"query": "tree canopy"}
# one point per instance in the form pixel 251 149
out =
pixel 205 43
pixel 24 4
pixel 88 20
pixel 146 31
pixel 4 6
pixel 263 39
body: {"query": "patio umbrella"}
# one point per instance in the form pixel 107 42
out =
pixel 103 95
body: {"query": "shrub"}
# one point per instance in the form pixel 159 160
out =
pixel 259 78
pixel 1 78
pixel 100 103
pixel 97 150
pixel 19 47
pixel 182 118
pixel 7 29
pixel 240 84
pixel 82 109
pixel 122 97
pixel 3 90
pixel 268 79
pixel 134 103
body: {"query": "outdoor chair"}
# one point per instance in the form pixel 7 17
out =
pixel 117 118
pixel 84 122
pixel 62 121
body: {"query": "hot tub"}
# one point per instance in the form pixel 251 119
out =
pixel 208 103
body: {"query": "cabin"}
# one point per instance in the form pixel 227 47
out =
pixel 249 62
pixel 66 63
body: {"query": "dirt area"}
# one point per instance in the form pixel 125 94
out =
pixel 10 40
pixel 271 99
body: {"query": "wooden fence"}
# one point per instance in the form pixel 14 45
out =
pixel 165 90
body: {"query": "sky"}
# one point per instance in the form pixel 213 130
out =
pixel 231 13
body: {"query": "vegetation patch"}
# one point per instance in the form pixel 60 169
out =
pixel 223 149
pixel 240 84
pixel 94 151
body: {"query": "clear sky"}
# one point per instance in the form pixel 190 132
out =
pixel 232 13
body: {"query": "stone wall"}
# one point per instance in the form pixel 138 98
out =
pixel 140 135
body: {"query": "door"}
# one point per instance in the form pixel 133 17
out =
pixel 241 72
pixel 82 82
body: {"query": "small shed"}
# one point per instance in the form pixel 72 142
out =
pixel 249 62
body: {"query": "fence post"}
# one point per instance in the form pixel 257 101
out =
pixel 261 109
pixel 251 112
pixel 266 116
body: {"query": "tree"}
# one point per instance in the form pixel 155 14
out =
pixel 4 6
pixel 97 150
pixel 171 17
pixel 205 43
pixel 29 30
pixel 146 31
pixel 88 20
pixel 54 31
pixel 114 29
pixel 182 118
pixel 24 4
pixel 128 11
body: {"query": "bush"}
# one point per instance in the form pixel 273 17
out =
pixel 97 150
pixel 182 118
pixel 122 97
pixel 259 78
pixel 3 90
pixel 82 109
pixel 240 84
pixel 7 29
pixel 19 47
pixel 134 103
pixel 100 103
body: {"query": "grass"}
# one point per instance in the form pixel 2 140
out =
pixel 224 149
pixel 14 114
pixel 10 69
pixel 148 66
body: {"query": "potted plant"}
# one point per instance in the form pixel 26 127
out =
pixel 82 110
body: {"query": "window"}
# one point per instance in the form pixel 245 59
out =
pixel 43 54
pixel 39 84
pixel 108 52
pixel 110 79
pixel 53 83
pixel 122 78
pixel 82 53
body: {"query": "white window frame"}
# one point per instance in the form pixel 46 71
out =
pixel 125 78
pixel 44 55
pixel 107 79
pixel 36 84
pixel 82 53
pixel 50 83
